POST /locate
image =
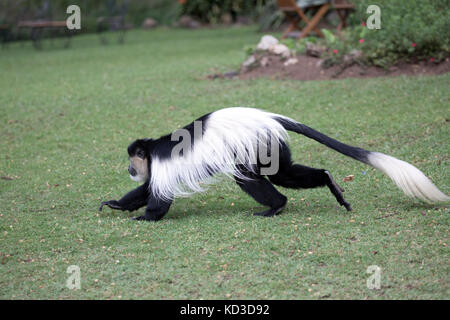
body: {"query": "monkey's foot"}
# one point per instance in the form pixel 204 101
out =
pixel 337 191
pixel 347 206
pixel 140 218
pixel 270 213
pixel 333 182
pixel 113 204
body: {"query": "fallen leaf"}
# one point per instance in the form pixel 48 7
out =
pixel 349 178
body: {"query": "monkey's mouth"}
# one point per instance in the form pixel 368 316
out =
pixel 134 174
pixel 136 178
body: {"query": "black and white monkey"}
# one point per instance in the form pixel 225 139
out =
pixel 230 143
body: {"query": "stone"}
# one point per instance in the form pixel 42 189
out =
pixel 226 19
pixel 265 61
pixel 356 54
pixel 188 22
pixel 267 42
pixel 230 74
pixel 314 50
pixel 347 58
pixel 149 23
pixel 280 49
pixel 243 20
pixel 290 62
pixel 353 55
pixel 249 62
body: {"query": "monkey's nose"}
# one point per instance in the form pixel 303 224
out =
pixel 132 171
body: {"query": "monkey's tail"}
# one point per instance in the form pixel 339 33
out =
pixel 407 177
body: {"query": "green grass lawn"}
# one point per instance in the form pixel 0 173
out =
pixel 67 117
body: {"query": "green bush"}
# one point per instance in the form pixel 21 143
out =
pixel 410 30
pixel 270 17
pixel 213 11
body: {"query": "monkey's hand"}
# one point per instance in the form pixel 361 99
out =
pixel 113 204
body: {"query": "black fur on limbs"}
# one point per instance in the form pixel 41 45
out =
pixel 289 175
pixel 259 187
pixel 297 176
pixel 136 199
pixel 226 142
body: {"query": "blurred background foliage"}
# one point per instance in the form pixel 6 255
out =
pixel 223 11
pixel 409 28
pixel 165 12
pixel 408 15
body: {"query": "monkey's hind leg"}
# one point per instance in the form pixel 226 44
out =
pixel 260 189
pixel 302 177
pixel 337 191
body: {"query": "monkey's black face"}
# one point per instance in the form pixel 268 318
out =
pixel 138 169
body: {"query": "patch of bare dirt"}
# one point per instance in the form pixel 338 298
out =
pixel 310 68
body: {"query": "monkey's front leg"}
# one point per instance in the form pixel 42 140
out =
pixel 156 209
pixel 133 200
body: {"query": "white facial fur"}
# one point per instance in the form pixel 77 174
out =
pixel 141 167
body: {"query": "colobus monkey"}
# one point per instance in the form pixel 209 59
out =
pixel 229 141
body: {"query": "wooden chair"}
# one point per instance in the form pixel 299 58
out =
pixel 43 20
pixel 343 8
pixel 295 12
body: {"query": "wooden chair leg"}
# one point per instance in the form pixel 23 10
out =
pixel 292 26
pixel 314 21
pixel 305 18
pixel 342 19
pixel 344 23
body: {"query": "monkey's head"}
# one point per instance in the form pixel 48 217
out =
pixel 138 153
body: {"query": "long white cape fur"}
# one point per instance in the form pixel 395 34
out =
pixel 232 136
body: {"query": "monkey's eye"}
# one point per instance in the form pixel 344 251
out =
pixel 140 154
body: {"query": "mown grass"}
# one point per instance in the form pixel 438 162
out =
pixel 67 117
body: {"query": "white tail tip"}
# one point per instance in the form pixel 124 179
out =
pixel 408 178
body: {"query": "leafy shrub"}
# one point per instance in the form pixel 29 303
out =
pixel 269 16
pixel 213 11
pixel 410 30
